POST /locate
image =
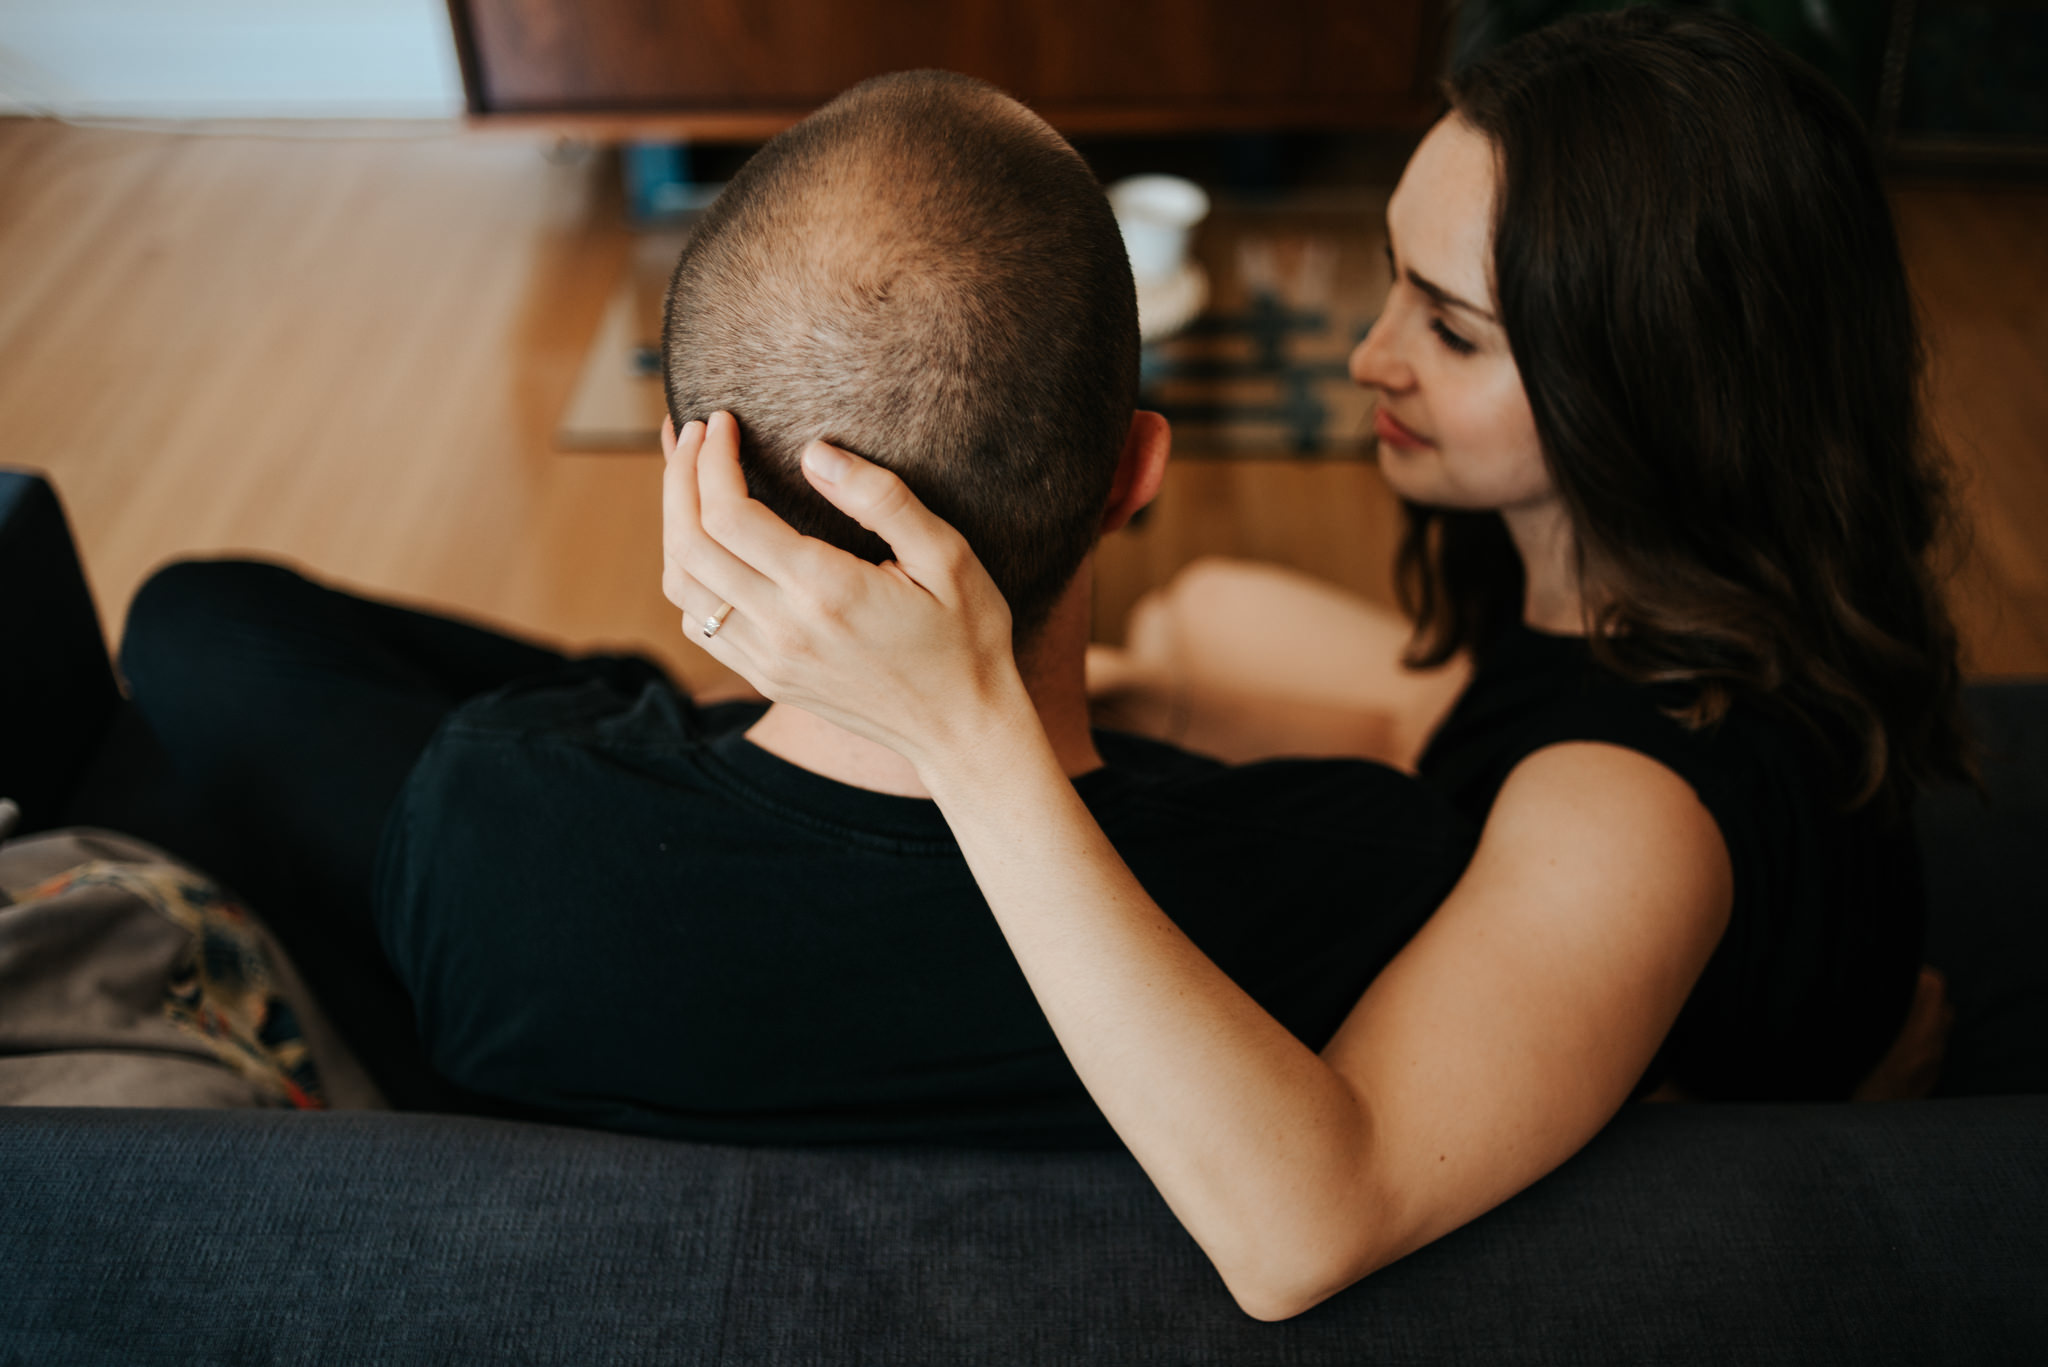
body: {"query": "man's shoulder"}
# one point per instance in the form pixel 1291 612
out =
pixel 594 699
pixel 560 757
pixel 1317 799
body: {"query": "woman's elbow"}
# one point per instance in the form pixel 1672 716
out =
pixel 1273 1293
pixel 1272 1306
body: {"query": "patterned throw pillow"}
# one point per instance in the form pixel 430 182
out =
pixel 127 978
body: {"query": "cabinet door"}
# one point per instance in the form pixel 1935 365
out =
pixel 1083 63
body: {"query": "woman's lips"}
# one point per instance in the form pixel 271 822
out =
pixel 1390 429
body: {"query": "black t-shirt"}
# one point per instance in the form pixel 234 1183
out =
pixel 611 907
pixel 1813 976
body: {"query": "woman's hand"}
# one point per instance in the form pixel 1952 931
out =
pixel 914 654
pixel 1912 1066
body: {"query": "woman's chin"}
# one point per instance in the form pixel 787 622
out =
pixel 1420 475
pixel 1412 472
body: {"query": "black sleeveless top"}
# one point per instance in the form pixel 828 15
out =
pixel 1812 978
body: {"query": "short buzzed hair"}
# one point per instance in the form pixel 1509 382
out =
pixel 922 272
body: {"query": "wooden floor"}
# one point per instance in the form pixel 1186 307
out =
pixel 1979 263
pixel 350 354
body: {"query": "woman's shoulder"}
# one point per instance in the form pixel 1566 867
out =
pixel 1824 928
pixel 1531 690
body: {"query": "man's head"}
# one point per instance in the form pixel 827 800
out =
pixel 922 272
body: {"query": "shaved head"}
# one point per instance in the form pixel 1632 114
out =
pixel 925 273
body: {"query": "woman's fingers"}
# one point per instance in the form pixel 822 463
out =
pixel 678 504
pixel 931 553
pixel 929 550
pixel 804 621
pixel 720 475
pixel 690 556
pixel 744 526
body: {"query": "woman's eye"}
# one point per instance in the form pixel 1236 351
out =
pixel 1450 338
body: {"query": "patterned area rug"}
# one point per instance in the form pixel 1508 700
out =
pixel 1258 373
pixel 618 404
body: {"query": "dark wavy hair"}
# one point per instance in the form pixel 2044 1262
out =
pixel 1699 280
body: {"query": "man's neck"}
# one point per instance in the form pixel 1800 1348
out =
pixel 1053 675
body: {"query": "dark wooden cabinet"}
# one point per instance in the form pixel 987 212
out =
pixel 742 68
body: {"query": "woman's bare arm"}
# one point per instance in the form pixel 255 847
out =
pixel 1491 1049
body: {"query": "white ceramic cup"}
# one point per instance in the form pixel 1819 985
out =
pixel 1156 214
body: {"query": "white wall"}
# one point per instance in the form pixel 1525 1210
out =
pixel 228 58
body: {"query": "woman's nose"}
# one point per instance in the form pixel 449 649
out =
pixel 1374 363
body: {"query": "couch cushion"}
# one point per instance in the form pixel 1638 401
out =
pixel 1986 862
pixel 1871 1234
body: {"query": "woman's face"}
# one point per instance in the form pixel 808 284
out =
pixel 1453 421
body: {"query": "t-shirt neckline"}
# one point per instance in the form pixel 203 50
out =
pixel 800 790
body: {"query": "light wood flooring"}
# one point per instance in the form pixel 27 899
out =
pixel 350 354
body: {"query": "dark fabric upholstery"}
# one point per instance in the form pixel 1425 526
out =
pixel 1986 861
pixel 1871 1234
pixel 131 787
pixel 286 757
pixel 57 694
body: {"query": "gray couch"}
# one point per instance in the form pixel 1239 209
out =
pixel 1909 1232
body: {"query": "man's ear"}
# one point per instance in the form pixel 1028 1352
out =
pixel 1139 469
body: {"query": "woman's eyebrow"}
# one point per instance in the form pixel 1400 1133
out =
pixel 1446 298
pixel 1443 297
